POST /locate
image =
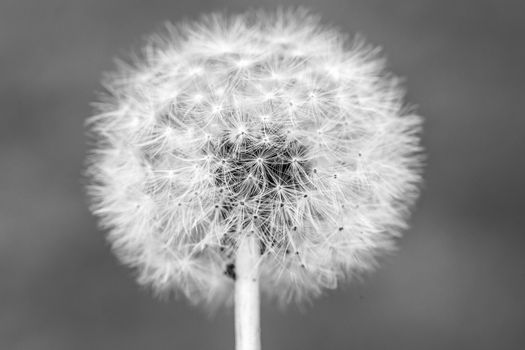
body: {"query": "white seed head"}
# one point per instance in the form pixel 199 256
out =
pixel 268 124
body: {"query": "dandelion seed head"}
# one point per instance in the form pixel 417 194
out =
pixel 265 123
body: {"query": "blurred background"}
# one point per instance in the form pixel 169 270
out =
pixel 458 281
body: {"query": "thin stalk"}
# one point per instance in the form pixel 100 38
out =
pixel 247 318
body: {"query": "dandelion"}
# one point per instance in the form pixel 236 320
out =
pixel 263 149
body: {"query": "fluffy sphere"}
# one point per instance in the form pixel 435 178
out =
pixel 268 124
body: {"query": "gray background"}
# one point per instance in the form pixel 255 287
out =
pixel 458 281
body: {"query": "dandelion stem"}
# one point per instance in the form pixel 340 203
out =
pixel 247 324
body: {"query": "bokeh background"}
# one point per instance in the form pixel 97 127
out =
pixel 458 281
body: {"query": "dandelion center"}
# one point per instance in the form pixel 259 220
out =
pixel 259 182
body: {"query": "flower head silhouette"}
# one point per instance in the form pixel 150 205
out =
pixel 264 125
